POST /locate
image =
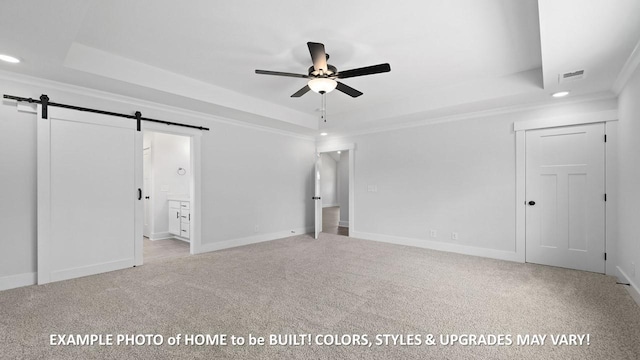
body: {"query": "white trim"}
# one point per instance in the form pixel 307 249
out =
pixel 475 115
pixel 611 189
pixel 89 270
pixel 520 196
pixel 343 224
pixel 627 70
pixel 195 236
pixel 633 288
pixel 128 100
pixel 324 148
pixel 43 227
pixel 440 246
pixel 160 236
pixel 578 119
pixel 27 107
pixel 16 281
pixel 195 136
pixel 520 131
pixel 351 147
pixel 138 203
pixel 220 245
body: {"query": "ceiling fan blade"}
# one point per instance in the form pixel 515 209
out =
pixel 318 55
pixel 367 70
pixel 280 73
pixel 348 90
pixel 302 91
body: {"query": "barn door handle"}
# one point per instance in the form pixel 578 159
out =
pixel 139 194
pixel 531 203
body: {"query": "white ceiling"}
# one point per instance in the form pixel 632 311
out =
pixel 447 57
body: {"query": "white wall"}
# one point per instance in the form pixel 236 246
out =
pixel 629 183
pixel 253 178
pixel 343 188
pixel 243 170
pixel 329 181
pixel 455 176
pixel 168 153
pixel 17 194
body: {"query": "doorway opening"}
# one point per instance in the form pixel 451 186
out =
pixel 335 192
pixel 344 188
pixel 168 190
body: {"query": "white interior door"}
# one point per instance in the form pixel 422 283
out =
pixel 318 196
pixel 565 186
pixel 89 175
pixel 146 190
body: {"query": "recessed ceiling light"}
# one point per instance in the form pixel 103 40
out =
pixel 323 134
pixel 339 152
pixel 560 94
pixel 9 59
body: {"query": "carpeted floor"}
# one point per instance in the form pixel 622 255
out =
pixel 337 287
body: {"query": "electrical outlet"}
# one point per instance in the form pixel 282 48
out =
pixel 293 231
pixel 256 228
pixel 633 269
pixel 433 233
pixel 454 236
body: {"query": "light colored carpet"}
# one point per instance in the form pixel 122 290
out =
pixel 333 285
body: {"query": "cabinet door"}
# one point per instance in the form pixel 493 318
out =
pixel 174 221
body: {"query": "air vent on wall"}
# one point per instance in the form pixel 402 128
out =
pixel 571 76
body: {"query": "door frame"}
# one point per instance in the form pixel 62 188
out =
pixel 350 147
pixel 195 135
pixel 146 203
pixel 609 118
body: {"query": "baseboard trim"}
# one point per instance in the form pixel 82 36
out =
pixel 343 223
pixel 160 236
pixel 440 246
pixel 220 245
pixel 16 281
pixel 633 288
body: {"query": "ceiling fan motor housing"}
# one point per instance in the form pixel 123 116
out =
pixel 331 70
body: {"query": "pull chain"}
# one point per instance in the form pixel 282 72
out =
pixel 324 107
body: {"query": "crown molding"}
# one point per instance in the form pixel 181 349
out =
pixel 627 70
pixel 113 97
pixel 475 114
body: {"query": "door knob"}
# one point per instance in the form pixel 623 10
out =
pixel 531 203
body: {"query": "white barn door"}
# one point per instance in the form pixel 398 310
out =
pixel 565 187
pixel 89 173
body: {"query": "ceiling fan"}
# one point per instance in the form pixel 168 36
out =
pixel 322 76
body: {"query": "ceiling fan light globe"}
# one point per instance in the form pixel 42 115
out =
pixel 321 85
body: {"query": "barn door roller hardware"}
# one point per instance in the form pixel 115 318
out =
pixel 44 101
